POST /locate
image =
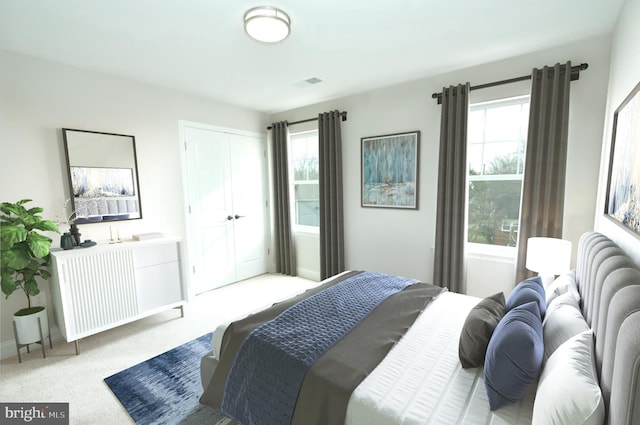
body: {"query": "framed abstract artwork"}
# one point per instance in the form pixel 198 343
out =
pixel 390 170
pixel 623 186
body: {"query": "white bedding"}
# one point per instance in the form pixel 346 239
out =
pixel 421 380
pixel 216 339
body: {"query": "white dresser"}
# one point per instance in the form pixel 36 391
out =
pixel 107 285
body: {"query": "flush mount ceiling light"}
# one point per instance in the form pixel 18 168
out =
pixel 267 24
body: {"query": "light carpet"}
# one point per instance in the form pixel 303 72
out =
pixel 165 389
pixel 79 380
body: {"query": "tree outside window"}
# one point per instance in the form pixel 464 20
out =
pixel 496 149
pixel 305 167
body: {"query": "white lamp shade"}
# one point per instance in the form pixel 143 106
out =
pixel 267 24
pixel 548 256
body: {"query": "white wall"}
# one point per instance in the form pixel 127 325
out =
pixel 401 242
pixel 624 76
pixel 38 98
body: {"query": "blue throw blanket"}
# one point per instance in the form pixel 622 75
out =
pixel 270 366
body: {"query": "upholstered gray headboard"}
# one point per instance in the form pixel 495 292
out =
pixel 609 284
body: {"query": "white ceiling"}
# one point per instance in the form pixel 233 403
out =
pixel 199 46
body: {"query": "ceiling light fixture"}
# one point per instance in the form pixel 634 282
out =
pixel 267 24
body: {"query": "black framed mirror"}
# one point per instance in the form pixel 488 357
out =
pixel 103 176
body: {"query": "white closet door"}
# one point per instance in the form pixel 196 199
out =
pixel 227 220
pixel 249 205
pixel 210 202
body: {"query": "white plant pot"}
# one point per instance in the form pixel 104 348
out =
pixel 27 331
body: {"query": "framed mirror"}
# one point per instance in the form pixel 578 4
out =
pixel 103 176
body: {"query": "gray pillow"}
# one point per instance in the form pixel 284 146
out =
pixel 560 324
pixel 478 328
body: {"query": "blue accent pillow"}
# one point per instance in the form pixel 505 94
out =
pixel 514 355
pixel 527 291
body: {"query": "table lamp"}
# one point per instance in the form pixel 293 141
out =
pixel 548 257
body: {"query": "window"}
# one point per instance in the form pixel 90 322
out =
pixel 304 164
pixel 496 138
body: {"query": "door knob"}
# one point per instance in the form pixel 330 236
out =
pixel 229 217
pixel 239 216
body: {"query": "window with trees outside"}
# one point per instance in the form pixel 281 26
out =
pixel 303 157
pixel 496 138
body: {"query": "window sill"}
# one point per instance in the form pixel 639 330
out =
pixel 306 230
pixel 491 252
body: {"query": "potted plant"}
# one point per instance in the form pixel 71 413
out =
pixel 25 258
pixel 71 238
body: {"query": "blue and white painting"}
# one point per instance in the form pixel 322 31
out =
pixel 390 171
pixel 623 200
pixel 97 182
pixel 103 193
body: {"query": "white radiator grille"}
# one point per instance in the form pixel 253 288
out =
pixel 101 288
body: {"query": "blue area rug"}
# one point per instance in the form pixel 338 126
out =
pixel 166 388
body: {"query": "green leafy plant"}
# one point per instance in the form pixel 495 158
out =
pixel 25 252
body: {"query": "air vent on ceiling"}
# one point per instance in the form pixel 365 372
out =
pixel 308 82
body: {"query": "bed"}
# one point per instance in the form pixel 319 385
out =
pixel 569 353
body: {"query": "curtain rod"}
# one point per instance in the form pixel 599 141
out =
pixel 575 75
pixel 343 115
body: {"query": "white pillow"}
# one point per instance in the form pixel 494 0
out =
pixel 569 298
pixel 568 391
pixel 561 285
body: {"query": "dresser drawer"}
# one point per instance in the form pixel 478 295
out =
pixel 153 255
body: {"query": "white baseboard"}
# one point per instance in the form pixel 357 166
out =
pixel 309 274
pixel 8 348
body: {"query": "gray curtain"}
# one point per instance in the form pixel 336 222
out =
pixel 283 234
pixel 546 158
pixel 331 206
pixel 452 186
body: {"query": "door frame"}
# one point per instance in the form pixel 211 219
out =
pixel 188 245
